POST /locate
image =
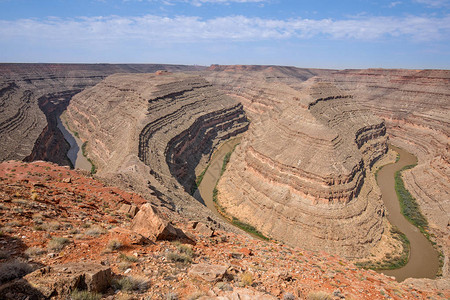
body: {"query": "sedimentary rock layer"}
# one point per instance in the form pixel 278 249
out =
pixel 31 95
pixel 302 173
pixel 155 128
pixel 416 108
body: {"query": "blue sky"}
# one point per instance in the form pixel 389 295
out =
pixel 341 34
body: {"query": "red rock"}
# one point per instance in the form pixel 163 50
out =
pixel 246 251
pixel 148 223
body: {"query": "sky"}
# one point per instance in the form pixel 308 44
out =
pixel 337 34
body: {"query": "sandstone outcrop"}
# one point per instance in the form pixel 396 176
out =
pixel 302 173
pixel 151 225
pixel 60 280
pixel 155 130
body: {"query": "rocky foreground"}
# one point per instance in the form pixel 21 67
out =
pixel 80 233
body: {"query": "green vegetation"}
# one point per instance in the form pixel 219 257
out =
pixel 408 204
pixel 178 258
pixel 236 222
pixel 199 179
pixel 248 228
pixel 83 150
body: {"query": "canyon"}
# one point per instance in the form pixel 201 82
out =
pixel 303 173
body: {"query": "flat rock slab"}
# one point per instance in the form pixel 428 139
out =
pixel 61 280
pixel 208 272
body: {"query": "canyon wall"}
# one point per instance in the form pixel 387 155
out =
pixel 32 95
pixel 153 130
pixel 302 173
pixel 415 105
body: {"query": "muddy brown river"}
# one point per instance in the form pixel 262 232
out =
pixel 74 154
pixel 204 192
pixel 424 259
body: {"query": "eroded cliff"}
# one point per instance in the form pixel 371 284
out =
pixel 33 95
pixel 415 105
pixel 302 173
pixel 155 129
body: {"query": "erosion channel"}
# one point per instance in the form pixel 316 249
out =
pixel 424 260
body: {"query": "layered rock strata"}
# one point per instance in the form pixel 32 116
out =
pixel 415 105
pixel 31 97
pixel 154 130
pixel 302 175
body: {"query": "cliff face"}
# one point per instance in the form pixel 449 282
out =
pixel 415 106
pixel 155 129
pixel 31 97
pixel 301 174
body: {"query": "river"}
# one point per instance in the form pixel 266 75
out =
pixel 424 259
pixel 204 193
pixel 75 154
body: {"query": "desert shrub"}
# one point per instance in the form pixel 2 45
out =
pixel 178 258
pixel 246 279
pixel 14 224
pixel 51 226
pixel 95 231
pixel 34 196
pixel 124 265
pixel 58 243
pixel 12 270
pixel 84 295
pixel 74 231
pixel 319 296
pixel 114 245
pixel 34 251
pixel 129 258
pixel 132 283
pixel 186 249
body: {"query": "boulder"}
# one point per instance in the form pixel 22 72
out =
pixel 204 230
pixel 61 280
pixel 151 225
pixel 208 272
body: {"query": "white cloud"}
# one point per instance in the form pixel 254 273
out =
pixel 180 29
pixel 434 3
pixel 394 4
